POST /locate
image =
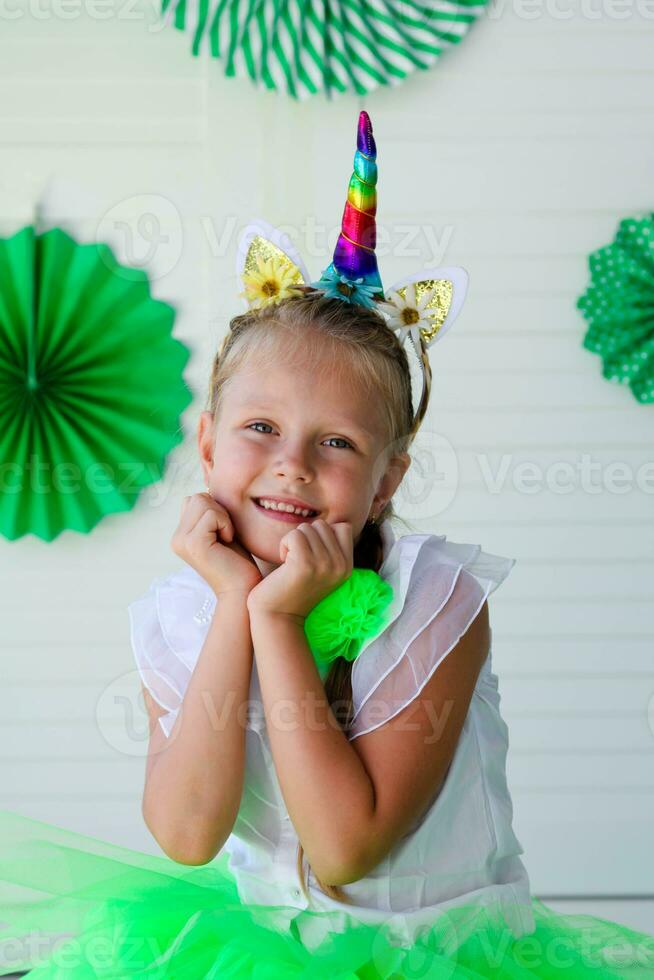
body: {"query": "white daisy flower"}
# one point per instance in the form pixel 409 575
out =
pixel 407 316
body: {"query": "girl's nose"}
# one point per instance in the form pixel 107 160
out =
pixel 295 463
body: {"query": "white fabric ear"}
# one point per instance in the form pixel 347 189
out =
pixel 449 583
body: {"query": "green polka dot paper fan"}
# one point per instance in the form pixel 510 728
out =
pixel 619 307
pixel 304 47
pixel 91 385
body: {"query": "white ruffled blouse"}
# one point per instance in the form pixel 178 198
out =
pixel 463 850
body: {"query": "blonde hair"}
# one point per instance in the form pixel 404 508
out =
pixel 360 340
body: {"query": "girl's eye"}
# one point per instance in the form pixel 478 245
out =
pixel 338 439
pixel 331 439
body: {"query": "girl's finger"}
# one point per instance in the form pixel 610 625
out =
pixel 320 553
pixel 194 504
pixel 192 510
pixel 212 522
pixel 343 533
pixel 291 542
pixel 200 506
pixel 326 545
pixel 284 547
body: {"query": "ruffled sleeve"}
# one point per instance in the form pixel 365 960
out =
pixel 168 627
pixel 439 587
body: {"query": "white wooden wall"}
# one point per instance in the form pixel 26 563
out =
pixel 518 154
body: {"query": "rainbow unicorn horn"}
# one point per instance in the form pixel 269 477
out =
pixel 354 255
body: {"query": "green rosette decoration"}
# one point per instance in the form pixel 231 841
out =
pixel 322 47
pixel 91 385
pixel 619 307
pixel 341 622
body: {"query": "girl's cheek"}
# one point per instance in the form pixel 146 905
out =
pixel 249 455
pixel 239 450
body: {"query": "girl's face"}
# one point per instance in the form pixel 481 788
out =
pixel 287 431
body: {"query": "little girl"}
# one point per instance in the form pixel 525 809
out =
pixel 326 764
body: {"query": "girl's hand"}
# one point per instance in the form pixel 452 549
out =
pixel 227 567
pixel 316 558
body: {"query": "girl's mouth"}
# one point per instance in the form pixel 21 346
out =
pixel 280 515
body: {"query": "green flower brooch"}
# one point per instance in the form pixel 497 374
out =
pixel 341 622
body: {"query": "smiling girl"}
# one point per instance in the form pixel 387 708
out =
pixel 326 761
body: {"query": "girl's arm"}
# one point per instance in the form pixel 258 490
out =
pixel 194 779
pixel 327 791
pixel 352 802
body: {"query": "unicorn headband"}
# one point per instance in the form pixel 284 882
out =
pixel 421 307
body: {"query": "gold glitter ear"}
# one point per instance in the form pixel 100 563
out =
pixel 269 266
pixel 261 250
pixel 431 304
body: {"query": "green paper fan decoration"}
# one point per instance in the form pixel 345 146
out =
pixel 91 384
pixel 619 307
pixel 341 622
pixel 304 47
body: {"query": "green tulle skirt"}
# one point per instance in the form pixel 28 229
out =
pixel 73 908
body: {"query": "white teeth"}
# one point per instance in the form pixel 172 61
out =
pixel 287 508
